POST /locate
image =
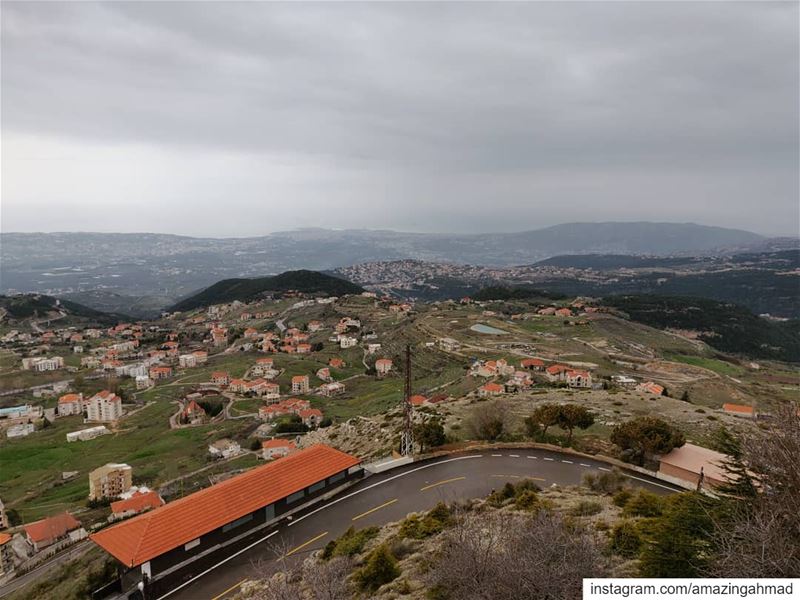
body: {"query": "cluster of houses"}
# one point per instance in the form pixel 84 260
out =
pixel 103 407
pixel 311 417
pixel 520 379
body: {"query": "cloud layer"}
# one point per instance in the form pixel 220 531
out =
pixel 243 118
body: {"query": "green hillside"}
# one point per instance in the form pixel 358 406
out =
pixel 244 290
pixel 725 326
pixel 25 306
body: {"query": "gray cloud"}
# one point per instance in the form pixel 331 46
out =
pixel 241 118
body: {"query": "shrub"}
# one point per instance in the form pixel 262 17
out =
pixel 416 527
pixel 350 543
pixel 605 483
pixel 621 497
pixel 528 500
pixel 380 569
pixel 644 504
pixel 626 539
pixel 586 508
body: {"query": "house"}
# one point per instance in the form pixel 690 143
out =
pixel 265 389
pixel 346 341
pixel 546 311
pixel 70 404
pixel 300 384
pixel 490 389
pixel 383 366
pixel 262 365
pixel 314 326
pixel 6 555
pixel 324 374
pixel 110 481
pixel 137 503
pixel 250 332
pixel 276 447
pixel 336 363
pixel 42 363
pixel 373 348
pixel 311 417
pixel 520 379
pixel 143 382
pixel 333 388
pixel 87 434
pixel 160 372
pixel 739 410
pixel 201 356
pixel 690 463
pixel 303 348
pixel 624 381
pixel 556 373
pixel 3 516
pixel 193 413
pixel 578 379
pixel 649 387
pixel 220 378
pixel 49 531
pixel 563 312
pixel 20 430
pixel 238 385
pixel 186 361
pixel 448 344
pixel 224 448
pixel 532 364
pixel 103 407
pixel 418 400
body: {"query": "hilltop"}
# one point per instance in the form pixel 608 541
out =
pixel 245 290
pixel 39 306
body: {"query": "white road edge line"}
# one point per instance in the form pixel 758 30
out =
pixel 550 459
pixel 514 455
pixel 604 469
pixel 369 487
pixel 650 482
pixel 533 457
pixel 569 462
pixel 222 562
pixel 585 465
pixel 497 455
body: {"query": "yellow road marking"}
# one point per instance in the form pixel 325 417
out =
pixel 519 477
pixel 433 485
pixel 230 589
pixel 311 541
pixel 372 510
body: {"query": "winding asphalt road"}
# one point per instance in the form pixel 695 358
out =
pixel 390 496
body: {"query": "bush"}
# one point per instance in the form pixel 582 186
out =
pixel 644 504
pixel 621 497
pixel 605 483
pixel 418 528
pixel 586 508
pixel 350 543
pixel 528 500
pixel 626 539
pixel 380 569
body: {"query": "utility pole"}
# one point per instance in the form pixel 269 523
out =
pixel 407 437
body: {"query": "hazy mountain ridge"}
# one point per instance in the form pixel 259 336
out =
pixel 133 272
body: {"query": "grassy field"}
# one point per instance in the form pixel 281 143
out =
pixel 712 364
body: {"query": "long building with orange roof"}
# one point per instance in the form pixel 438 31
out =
pixel 178 539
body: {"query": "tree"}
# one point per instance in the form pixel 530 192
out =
pixel 380 568
pixel 685 396
pixel 571 416
pixel 544 416
pixel 678 543
pixel 644 436
pixel 430 434
pixel 488 421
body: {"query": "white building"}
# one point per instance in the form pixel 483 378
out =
pixel 103 407
pixel 42 363
pixel 19 431
pixel 345 341
pixel 224 448
pixel 187 361
pixel 87 434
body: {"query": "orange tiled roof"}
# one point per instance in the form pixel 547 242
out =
pixel 738 408
pixel 69 398
pixel 493 387
pixel 4 537
pixel 142 538
pixel 51 528
pixel 137 503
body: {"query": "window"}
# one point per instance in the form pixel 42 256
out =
pixel 337 477
pixel 237 522
pixel 295 497
pixel 316 487
pixel 192 544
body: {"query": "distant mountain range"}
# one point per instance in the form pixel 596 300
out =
pixel 140 273
pixel 245 290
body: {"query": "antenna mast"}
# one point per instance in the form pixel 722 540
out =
pixel 407 437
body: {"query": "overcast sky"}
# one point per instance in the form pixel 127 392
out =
pixel 233 119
